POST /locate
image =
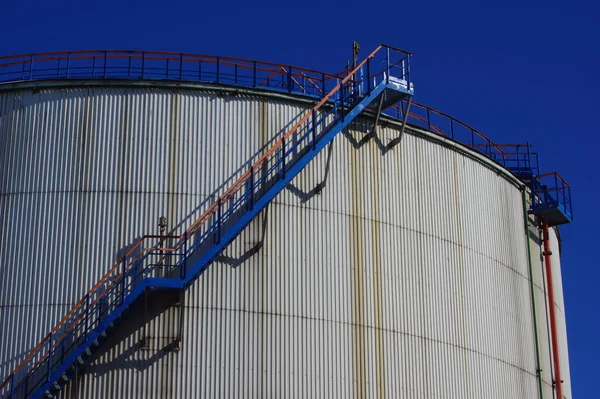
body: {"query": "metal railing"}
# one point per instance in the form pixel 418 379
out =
pixel 152 65
pixel 551 191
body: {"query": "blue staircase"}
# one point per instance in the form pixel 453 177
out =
pixel 381 80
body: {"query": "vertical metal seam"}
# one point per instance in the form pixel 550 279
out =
pixel 535 327
pixel 460 268
pixel 358 345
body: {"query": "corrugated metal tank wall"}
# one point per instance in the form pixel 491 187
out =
pixel 405 276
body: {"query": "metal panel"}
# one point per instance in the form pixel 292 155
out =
pixel 376 273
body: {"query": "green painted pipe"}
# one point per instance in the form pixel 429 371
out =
pixel 535 328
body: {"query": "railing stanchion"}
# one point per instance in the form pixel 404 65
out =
pixel 49 356
pixel 408 72
pixel 250 190
pixel 387 75
pixel 143 64
pixel 218 69
pixel 428 119
pixel 314 129
pixel 323 92
pixel 282 158
pixel 123 280
pixel 68 64
pixel 31 67
pixel 105 62
pixel 181 66
pixel 219 214
pixel 289 79
pixel 254 74
pixel 341 102
pixel 368 76
pixel 87 316
pixel 184 260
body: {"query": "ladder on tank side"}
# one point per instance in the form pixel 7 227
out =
pixel 381 80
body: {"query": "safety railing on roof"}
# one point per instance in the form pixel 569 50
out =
pixel 445 125
pixel 122 64
pixel 119 64
pixel 167 257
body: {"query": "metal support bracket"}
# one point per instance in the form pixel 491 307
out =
pixel 405 112
pixel 379 109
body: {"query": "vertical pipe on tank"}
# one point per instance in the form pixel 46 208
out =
pixel 555 356
pixel 532 286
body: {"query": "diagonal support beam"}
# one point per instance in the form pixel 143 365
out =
pixel 378 115
pixel 405 112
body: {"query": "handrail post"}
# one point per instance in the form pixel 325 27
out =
pixel 289 79
pixel 123 280
pixel 49 356
pixel 68 64
pixel 87 315
pixel 428 119
pixel 341 90
pixel 254 74
pixel 31 67
pixel 180 66
pixel 323 93
pixel 557 192
pixel 235 74
pixel 183 272
pixel 250 190
pixel 387 75
pixel 314 130
pixel 452 128
pixel 105 62
pixel 143 63
pixel 218 68
pixel 408 72
pixel 368 76
pixel 219 214
pixel 282 158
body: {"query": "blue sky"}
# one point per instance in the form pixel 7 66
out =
pixel 516 70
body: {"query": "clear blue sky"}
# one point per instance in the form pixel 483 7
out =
pixel 517 70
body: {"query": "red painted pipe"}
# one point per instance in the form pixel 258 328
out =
pixel 553 332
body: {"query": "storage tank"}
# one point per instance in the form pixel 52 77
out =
pixel 412 270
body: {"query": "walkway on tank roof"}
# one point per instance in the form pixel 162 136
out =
pixel 269 76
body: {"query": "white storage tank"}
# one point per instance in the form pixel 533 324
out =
pixel 401 273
